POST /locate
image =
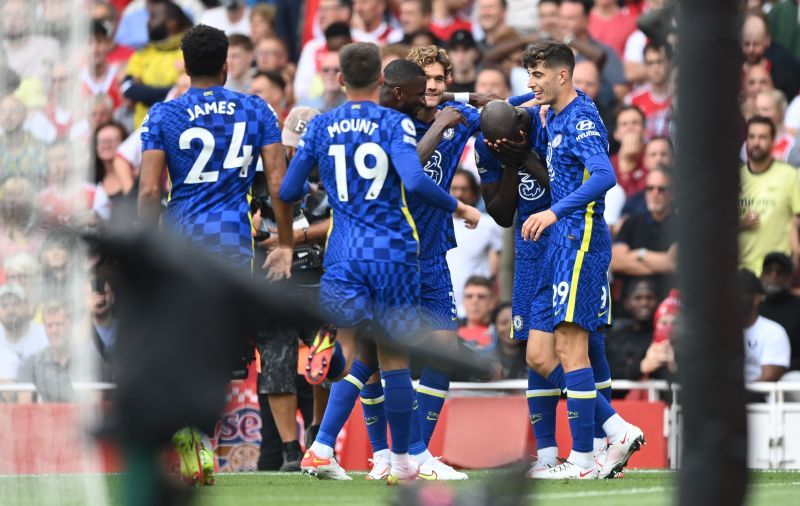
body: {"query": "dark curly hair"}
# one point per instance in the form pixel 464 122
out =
pixel 205 50
pixel 548 54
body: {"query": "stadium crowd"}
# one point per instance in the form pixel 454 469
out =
pixel 286 52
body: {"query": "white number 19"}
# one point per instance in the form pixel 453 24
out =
pixel 377 172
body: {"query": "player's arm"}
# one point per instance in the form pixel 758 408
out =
pixel 448 117
pixel 499 187
pixel 153 164
pixel 473 99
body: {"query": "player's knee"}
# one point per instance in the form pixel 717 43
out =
pixel 540 362
pixel 572 357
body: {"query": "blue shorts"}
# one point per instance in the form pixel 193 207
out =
pixel 531 304
pixel 385 293
pixel 436 297
pixel 580 290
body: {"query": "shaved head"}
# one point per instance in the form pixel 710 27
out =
pixel 501 120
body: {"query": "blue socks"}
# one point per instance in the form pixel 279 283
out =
pixel 337 361
pixel 431 394
pixel 340 403
pixel 374 417
pixel 581 400
pixel 542 402
pixel 399 394
pixel 602 378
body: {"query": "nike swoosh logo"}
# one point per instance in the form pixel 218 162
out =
pixel 319 461
pixel 429 477
pixel 572 417
pixel 622 441
pixel 601 314
pixel 556 313
pixel 432 418
pixel 371 421
pixel 587 473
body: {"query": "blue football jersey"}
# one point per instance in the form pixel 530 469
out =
pixel 211 138
pixel 435 226
pixel 353 146
pixel 574 135
pixel 533 198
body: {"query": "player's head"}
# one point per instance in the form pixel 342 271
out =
pixel 760 137
pixel 501 120
pixel 205 53
pixel 436 64
pixel 360 64
pixel 549 65
pixel 403 87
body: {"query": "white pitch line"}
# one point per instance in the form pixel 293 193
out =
pixel 599 493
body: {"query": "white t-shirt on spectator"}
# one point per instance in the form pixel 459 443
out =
pixel 765 343
pixel 471 257
pixel 307 69
pixel 382 35
pixel 34 341
pixel 131 150
pixel 634 47
pixel 9 364
pixel 615 201
pixel 218 18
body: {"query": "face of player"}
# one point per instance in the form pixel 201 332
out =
pixel 759 142
pixel 775 279
pixel 658 194
pixel 642 303
pixel 586 78
pixel 490 14
pixel 56 326
pixel 412 97
pixel 548 17
pixel 657 66
pixel 436 84
pixel 370 11
pixel 657 153
pixel 239 60
pixel 492 82
pixel 571 19
pixel 629 122
pixel 478 303
pixel 766 106
pixel 545 83
pixel 757 80
pixel 411 17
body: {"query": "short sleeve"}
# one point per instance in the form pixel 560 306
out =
pixel 152 129
pixel 269 127
pixel 487 164
pixel 9 365
pixel 625 234
pixel 777 350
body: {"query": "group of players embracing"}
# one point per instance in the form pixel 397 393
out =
pixel 387 157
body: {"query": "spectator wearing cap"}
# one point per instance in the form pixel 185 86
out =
pixel 414 16
pixel 445 19
pixel 780 304
pixel 628 341
pixel 767 352
pixel 240 63
pixel 99 76
pixel 464 56
pixel 492 21
pixel 18 331
pixel 769 200
pixel 332 93
pixel 759 49
pixel 369 23
pixel 233 16
pixel 646 245
pixel 306 81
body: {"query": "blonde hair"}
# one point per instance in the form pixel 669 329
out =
pixel 777 97
pixel 428 55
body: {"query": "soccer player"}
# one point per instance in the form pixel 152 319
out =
pixel 578 257
pixel 441 144
pixel 208 140
pixel 367 157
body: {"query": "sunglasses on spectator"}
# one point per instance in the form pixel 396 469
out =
pixel 659 189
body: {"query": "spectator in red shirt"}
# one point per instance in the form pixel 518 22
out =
pixel 445 20
pixel 654 98
pixel 106 14
pixel 627 161
pixel 611 24
pixel 100 76
pixel 479 303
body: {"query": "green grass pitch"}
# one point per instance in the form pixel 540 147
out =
pixel 636 488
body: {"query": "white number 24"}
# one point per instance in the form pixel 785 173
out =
pixel 377 172
pixel 232 158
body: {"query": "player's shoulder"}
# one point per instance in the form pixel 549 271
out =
pixel 397 119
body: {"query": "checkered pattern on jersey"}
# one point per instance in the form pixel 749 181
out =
pixel 574 135
pixel 435 226
pixel 382 292
pixel 580 288
pixel 533 198
pixel 212 139
pixel 366 226
pixel 436 297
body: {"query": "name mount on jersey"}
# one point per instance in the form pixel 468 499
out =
pixel 352 125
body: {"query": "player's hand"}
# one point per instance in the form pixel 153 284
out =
pixel 536 224
pixel 510 152
pixel 270 242
pixel 481 99
pixel 449 117
pixel 469 214
pixel 279 263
